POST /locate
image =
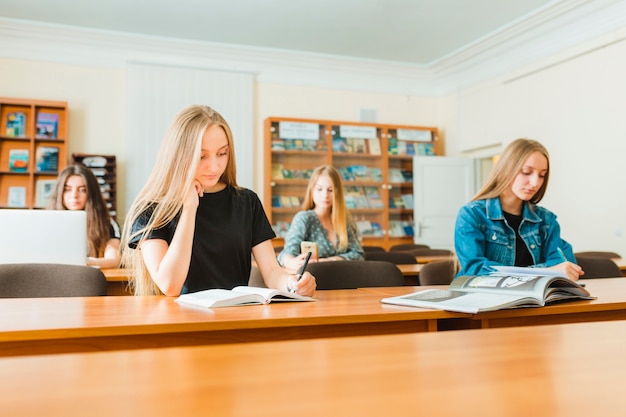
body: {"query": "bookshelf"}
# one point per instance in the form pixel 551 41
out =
pixel 376 163
pixel 33 149
pixel 104 168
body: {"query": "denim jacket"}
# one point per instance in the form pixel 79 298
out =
pixel 482 238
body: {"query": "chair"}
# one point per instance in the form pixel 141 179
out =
pixel 598 254
pixel 338 275
pixel 408 246
pixel 50 280
pixel 598 267
pixel 397 257
pixel 430 252
pixel 256 279
pixel 367 249
pixel 439 272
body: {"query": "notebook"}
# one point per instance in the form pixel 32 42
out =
pixel 43 236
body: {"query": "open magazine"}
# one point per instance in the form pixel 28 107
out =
pixel 519 287
pixel 242 295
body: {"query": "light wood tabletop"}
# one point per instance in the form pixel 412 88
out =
pixel 572 370
pixel 56 325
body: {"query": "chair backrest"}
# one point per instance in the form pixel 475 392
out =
pixel 397 257
pixel 438 273
pixel 337 275
pixel 430 252
pixel 408 246
pixel 256 279
pixel 367 249
pixel 598 254
pixel 50 280
pixel 598 267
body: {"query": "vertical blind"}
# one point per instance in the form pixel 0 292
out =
pixel 157 93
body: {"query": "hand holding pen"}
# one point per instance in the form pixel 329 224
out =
pixel 572 270
pixel 294 288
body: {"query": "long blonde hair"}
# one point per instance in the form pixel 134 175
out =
pixel 339 215
pixel 98 216
pixel 171 177
pixel 509 165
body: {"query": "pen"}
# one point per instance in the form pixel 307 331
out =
pixel 560 251
pixel 303 267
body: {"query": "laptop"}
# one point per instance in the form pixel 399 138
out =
pixel 43 236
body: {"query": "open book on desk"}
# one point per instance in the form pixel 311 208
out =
pixel 238 296
pixel 525 287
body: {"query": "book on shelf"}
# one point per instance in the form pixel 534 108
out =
pixel 376 174
pixel 400 228
pixel 355 197
pixel 357 145
pixel 395 175
pixel 16 124
pixel 43 191
pixel 392 148
pixel 360 172
pixel 278 145
pixel 407 199
pixel 346 174
pixel 281 228
pixel 340 144
pixel 277 171
pixel 395 202
pixel 410 148
pixel 238 296
pixel 47 159
pixel 18 160
pixel 17 197
pixel 47 125
pixel 373 197
pixel 401 148
pixel 426 149
pixel 519 287
pixel 374 146
pixel 94 161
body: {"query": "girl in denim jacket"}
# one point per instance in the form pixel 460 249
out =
pixel 503 225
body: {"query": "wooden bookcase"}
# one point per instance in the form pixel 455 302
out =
pixel 375 160
pixel 33 150
pixel 104 168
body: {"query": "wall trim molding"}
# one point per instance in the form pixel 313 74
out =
pixel 560 26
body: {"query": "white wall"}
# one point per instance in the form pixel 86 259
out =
pixel 576 108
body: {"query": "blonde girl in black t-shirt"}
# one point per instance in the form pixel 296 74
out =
pixel 192 227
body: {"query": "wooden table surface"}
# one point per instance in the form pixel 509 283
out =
pixel 574 370
pixel 75 324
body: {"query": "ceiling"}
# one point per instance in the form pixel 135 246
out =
pixel 416 32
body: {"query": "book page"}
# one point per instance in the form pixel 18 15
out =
pixel 220 298
pixel 500 283
pixel 463 302
pixel 270 294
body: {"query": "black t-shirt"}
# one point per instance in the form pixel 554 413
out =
pixel 523 256
pixel 229 223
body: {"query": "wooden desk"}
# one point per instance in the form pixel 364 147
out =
pixel 117 281
pixel 558 371
pixel 56 325
pixel 610 305
pixel 621 263
pixel 424 259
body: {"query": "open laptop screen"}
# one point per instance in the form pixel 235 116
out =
pixel 43 236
